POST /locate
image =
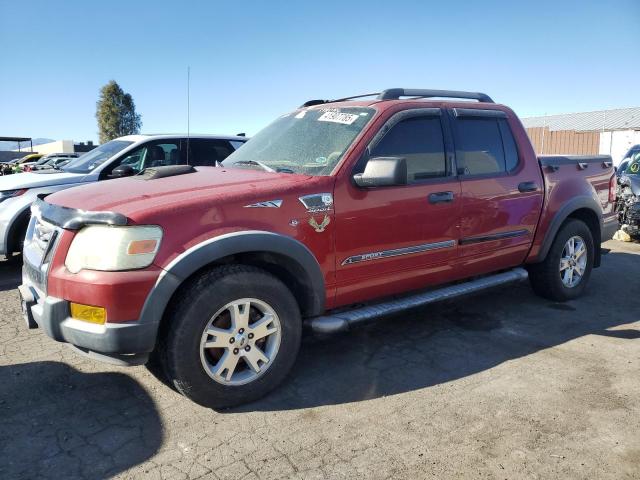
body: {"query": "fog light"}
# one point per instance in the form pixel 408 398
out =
pixel 88 313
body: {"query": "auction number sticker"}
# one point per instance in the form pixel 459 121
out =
pixel 337 117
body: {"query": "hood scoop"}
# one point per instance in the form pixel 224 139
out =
pixel 154 173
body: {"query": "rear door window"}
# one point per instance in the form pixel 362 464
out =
pixel 484 146
pixel 206 152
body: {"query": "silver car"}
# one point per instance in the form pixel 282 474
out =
pixel 121 157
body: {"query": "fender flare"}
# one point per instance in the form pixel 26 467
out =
pixel 202 254
pixel 576 203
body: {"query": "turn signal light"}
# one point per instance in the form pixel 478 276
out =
pixel 139 247
pixel 88 313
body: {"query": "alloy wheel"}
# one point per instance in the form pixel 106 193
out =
pixel 573 261
pixel 240 342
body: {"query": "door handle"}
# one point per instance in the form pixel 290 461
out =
pixel 441 197
pixel 528 187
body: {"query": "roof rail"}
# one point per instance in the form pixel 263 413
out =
pixel 396 93
pixel 310 103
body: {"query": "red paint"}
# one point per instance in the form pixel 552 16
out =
pixel 195 207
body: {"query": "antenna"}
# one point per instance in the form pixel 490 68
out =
pixel 188 111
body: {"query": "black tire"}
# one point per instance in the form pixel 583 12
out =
pixel 545 276
pixel 179 347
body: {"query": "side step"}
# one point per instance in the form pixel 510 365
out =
pixel 342 321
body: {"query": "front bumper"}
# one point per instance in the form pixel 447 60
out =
pixel 123 343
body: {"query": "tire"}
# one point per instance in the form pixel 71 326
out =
pixel 546 277
pixel 208 302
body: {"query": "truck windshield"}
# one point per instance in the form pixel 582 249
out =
pixel 96 157
pixel 309 141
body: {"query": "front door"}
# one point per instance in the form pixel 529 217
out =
pixel 399 238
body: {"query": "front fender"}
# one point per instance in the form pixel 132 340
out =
pixel 306 267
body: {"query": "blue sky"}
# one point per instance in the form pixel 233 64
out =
pixel 251 61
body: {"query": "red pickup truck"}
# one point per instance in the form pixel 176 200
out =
pixel 336 213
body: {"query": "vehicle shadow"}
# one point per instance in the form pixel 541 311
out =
pixel 10 274
pixel 445 342
pixel 57 422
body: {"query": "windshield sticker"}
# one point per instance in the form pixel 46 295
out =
pixel 335 117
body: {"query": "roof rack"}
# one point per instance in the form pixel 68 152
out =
pixel 396 93
pixel 310 103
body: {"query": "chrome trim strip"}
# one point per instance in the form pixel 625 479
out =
pixel 365 257
pixel 317 202
pixel 266 204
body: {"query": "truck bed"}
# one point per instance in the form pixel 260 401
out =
pixel 586 181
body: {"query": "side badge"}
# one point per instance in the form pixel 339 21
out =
pixel 319 227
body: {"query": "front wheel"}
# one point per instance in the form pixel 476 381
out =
pixel 233 336
pixel 564 273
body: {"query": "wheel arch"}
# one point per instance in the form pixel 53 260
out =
pixel 284 257
pixel 581 208
pixel 18 225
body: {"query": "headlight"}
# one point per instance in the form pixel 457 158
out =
pixel 107 248
pixel 11 193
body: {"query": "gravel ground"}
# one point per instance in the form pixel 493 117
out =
pixel 502 385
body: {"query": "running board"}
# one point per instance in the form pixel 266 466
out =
pixel 342 321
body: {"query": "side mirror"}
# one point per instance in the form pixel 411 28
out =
pixel 383 172
pixel 122 171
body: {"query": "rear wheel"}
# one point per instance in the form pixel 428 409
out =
pixel 232 337
pixel 564 273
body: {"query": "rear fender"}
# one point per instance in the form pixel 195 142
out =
pixel 582 202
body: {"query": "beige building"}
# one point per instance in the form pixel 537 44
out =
pixel 59 146
pixel 608 132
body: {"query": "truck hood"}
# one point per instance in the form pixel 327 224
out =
pixel 135 196
pixel 35 180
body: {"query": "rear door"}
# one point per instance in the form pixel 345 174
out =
pixel 399 238
pixel 501 194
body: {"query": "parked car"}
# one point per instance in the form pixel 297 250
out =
pixel 634 150
pixel 17 165
pixel 336 213
pixel 30 166
pixel 54 162
pixel 628 195
pixel 118 158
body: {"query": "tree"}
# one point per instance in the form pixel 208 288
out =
pixel 116 113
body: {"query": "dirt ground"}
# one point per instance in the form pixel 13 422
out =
pixel 503 385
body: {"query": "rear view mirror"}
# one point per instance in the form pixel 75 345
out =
pixel 383 172
pixel 122 171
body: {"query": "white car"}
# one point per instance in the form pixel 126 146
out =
pixel 118 158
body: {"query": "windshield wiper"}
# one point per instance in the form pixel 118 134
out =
pixel 256 163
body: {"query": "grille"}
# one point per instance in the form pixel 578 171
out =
pixel 43 238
